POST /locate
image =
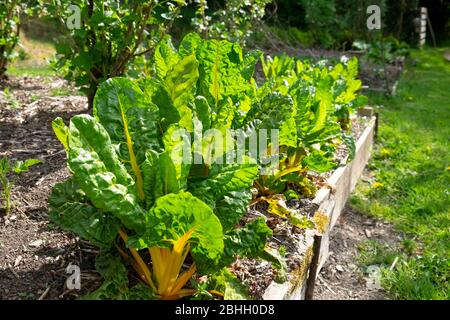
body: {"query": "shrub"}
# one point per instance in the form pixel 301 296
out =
pixel 113 37
pixel 9 31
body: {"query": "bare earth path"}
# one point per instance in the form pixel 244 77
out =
pixel 341 278
pixel 33 252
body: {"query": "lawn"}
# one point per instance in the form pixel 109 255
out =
pixel 411 177
pixel 34 62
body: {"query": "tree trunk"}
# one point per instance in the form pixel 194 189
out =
pixel 90 97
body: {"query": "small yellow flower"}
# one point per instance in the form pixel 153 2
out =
pixel 377 185
pixel 385 152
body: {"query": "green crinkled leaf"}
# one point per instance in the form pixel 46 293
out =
pixel 150 170
pixel 234 288
pixel 232 207
pixel 120 106
pixel 202 111
pixel 61 131
pixel 324 97
pixel 141 292
pixel 189 44
pixel 166 179
pixel 115 275
pixel 94 163
pixel 246 242
pixel 172 216
pixel 224 179
pixel 223 70
pixel 166 57
pixel 177 144
pixel 332 130
pixel 272 111
pixel 317 161
pixel 71 211
pixel 352 68
pixel 251 58
pixel 226 282
pixel 278 207
pixel 279 262
pixel 288 133
pixel 180 85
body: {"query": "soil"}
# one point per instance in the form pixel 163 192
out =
pixel 33 252
pixel 341 278
pixel 258 274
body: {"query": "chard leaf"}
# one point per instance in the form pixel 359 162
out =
pixel 150 174
pixel 130 121
pixel 246 242
pixel 232 207
pixel 102 177
pixel 166 57
pixel 317 161
pixel 128 117
pixel 70 210
pixel 226 282
pixel 173 216
pixel 278 262
pixel 177 144
pixel 61 131
pixel 250 60
pixel 141 292
pixel 272 111
pixel 349 141
pixel 324 98
pixel 202 111
pixel 115 285
pixel 234 288
pixel 180 85
pixel 189 44
pixel 224 179
pixel 166 178
pixel 278 207
pixel 226 190
pixel 223 71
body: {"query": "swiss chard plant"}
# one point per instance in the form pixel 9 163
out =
pixel 315 103
pixel 9 172
pixel 132 189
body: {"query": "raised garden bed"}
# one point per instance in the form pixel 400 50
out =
pixel 330 203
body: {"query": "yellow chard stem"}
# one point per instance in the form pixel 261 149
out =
pixel 133 161
pixel 183 279
pixel 139 261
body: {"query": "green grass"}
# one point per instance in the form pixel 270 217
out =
pixel 61 92
pixel 36 56
pixel 31 70
pixel 412 177
pixel 372 252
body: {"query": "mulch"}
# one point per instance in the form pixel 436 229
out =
pixel 34 253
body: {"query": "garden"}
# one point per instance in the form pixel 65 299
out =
pixel 224 150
